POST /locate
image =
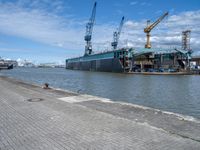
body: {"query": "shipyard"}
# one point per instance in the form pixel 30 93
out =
pixel 131 60
pixel 99 75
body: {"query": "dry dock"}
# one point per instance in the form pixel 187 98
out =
pixel 32 118
pixel 163 73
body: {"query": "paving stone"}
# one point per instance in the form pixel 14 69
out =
pixel 54 124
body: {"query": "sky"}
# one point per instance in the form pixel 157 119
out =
pixel 53 30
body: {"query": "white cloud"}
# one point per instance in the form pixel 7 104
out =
pixel 48 28
pixel 145 4
pixel 133 3
pixel 39 26
pixel 167 33
pixel 42 25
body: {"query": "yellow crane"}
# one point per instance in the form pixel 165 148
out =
pixel 149 27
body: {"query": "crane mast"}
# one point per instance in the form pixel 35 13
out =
pixel 89 29
pixel 116 34
pixel 148 29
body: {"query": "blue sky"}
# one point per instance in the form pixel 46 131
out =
pixel 51 31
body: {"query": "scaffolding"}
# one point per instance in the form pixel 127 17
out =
pixel 186 40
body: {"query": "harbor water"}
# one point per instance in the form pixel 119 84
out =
pixel 179 94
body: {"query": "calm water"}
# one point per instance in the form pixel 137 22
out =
pixel 179 94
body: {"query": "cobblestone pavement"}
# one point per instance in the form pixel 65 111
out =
pixel 58 120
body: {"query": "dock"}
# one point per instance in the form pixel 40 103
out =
pixel 163 73
pixel 34 118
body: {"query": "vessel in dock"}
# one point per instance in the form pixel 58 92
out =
pixel 6 64
pixel 161 61
pixel 111 61
pixel 129 59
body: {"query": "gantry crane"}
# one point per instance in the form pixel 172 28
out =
pixel 148 29
pixel 116 34
pixel 89 29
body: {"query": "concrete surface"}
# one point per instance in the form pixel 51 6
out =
pixel 61 120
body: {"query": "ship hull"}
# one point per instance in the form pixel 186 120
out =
pixel 6 67
pixel 104 65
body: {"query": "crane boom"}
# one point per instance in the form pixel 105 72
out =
pixel 148 29
pixel 89 29
pixel 116 34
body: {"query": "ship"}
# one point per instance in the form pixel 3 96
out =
pixel 115 60
pixel 120 60
pixel 7 64
pixel 129 59
pixel 4 65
